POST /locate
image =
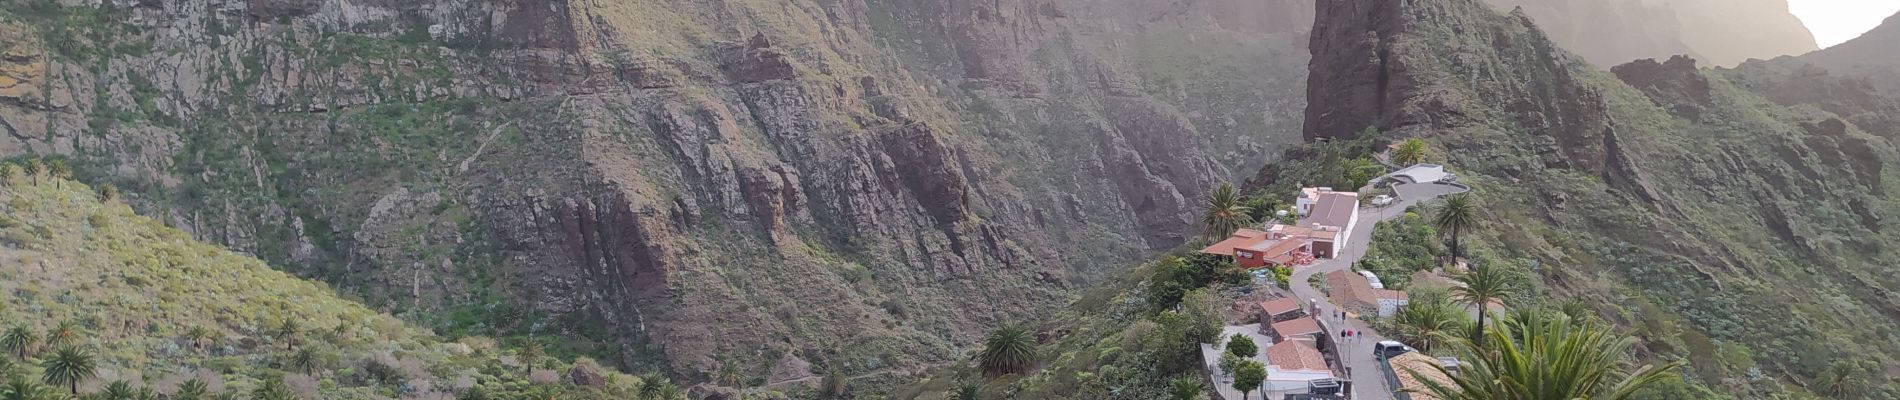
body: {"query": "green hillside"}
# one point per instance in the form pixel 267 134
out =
pixel 1750 239
pixel 157 309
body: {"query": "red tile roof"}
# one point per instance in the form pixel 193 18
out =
pixel 1411 367
pixel 1297 326
pixel 1315 232
pixel 1296 355
pixel 1280 306
pixel 1393 294
pixel 1240 238
pixel 1277 247
pixel 1351 289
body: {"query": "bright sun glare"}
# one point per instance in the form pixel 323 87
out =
pixel 1837 21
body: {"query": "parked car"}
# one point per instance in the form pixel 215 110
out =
pixel 1386 349
pixel 1382 201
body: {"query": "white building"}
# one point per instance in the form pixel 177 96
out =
pixel 1308 196
pixel 1418 173
pixel 1293 363
pixel 1390 301
pixel 1338 210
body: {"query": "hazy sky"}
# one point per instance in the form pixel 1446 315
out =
pixel 1836 21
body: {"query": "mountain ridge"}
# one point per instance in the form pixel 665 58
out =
pixel 159 308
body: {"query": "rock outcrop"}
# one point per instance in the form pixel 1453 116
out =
pixel 1675 84
pixel 1657 184
pixel 1858 80
pixel 868 183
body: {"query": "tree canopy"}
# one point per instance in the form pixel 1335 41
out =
pixel 1545 356
pixel 1223 213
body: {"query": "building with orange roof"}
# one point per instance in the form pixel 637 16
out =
pixel 1296 355
pixel 1292 364
pixel 1281 309
pixel 1303 328
pixel 1257 249
pixel 1355 293
pixel 1407 374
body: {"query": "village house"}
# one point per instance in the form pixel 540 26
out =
pixel 1354 292
pixel 1407 373
pixel 1327 218
pixel 1320 240
pixel 1303 328
pixel 1253 248
pixel 1304 204
pixel 1292 364
pixel 1336 213
pixel 1282 309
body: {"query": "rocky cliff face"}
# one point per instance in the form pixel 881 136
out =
pixel 1674 200
pixel 865 185
pixel 1716 32
pixel 1858 80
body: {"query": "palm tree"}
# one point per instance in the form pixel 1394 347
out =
pixel 33 168
pixel 1545 358
pixel 1479 286
pixel 272 389
pixel 287 332
pixel 531 353
pixel 119 390
pixel 1224 214
pixel 59 169
pixel 1842 380
pixel 107 192
pixel 19 341
pixel 20 388
pixel 63 334
pixel 1456 218
pixel 198 335
pixel 193 389
pixel 67 367
pixel 1427 322
pixel 1008 349
pixel 1186 388
pixel 305 360
pixel 1411 151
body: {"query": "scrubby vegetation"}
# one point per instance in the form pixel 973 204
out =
pixel 1401 247
pixel 103 301
pixel 1124 339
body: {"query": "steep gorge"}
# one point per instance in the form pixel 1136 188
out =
pixel 678 184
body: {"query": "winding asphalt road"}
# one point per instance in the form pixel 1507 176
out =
pixel 1368 382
